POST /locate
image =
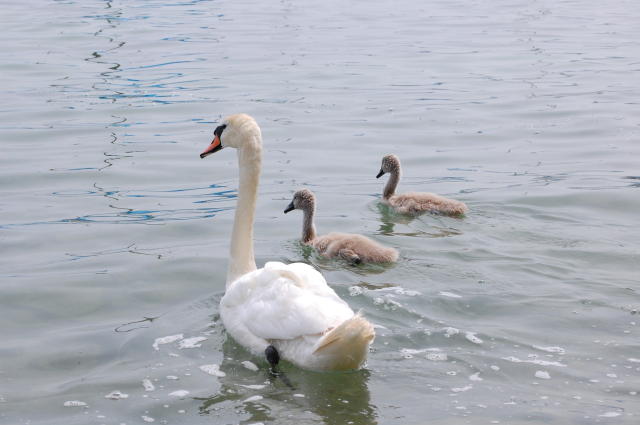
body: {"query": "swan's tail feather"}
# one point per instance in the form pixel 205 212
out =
pixel 346 346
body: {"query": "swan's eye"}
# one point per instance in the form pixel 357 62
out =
pixel 219 129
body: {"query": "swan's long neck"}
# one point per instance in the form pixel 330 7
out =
pixel 392 183
pixel 241 257
pixel 308 228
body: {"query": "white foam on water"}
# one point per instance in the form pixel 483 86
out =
pixel 354 291
pixel 541 374
pixel 406 354
pixel 494 367
pixel 449 331
pixel 386 302
pixel 191 342
pixel 74 403
pixel 449 294
pixel 534 361
pixel 475 377
pixel 253 387
pixel 116 395
pixel 249 365
pixel 166 340
pixel 299 395
pixel 610 414
pixel 414 350
pixel 547 363
pixel 462 389
pixel 179 393
pixel 147 418
pixel 633 360
pixel 212 369
pixel 435 355
pixel 471 336
pixel 407 292
pixel 172 377
pixel 148 385
pixel 558 350
pixel 253 398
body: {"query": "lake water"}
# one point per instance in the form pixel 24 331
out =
pixel 114 233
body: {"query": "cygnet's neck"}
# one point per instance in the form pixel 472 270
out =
pixel 308 228
pixel 392 183
pixel 241 257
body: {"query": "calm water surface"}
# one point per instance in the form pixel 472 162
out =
pixel 114 233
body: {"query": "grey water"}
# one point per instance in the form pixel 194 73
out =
pixel 114 234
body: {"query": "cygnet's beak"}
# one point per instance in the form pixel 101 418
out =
pixel 289 208
pixel 214 147
pixel 380 174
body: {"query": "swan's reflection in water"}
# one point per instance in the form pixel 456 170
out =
pixel 389 218
pixel 258 396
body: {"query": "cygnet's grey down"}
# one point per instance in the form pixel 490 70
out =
pixel 414 203
pixel 348 246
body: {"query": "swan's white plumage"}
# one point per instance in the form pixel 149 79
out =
pixel 283 301
pixel 288 306
pixel 291 307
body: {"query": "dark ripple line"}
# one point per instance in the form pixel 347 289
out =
pixel 128 217
pixel 157 65
pixel 225 194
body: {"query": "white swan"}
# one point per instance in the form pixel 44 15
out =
pixel 348 246
pixel 280 310
pixel 414 203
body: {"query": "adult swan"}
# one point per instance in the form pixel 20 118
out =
pixel 281 310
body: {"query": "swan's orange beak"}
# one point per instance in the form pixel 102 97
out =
pixel 214 147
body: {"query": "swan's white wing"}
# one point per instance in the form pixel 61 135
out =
pixel 284 302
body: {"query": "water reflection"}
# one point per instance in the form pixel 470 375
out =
pixel 636 181
pixel 337 398
pixel 389 218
